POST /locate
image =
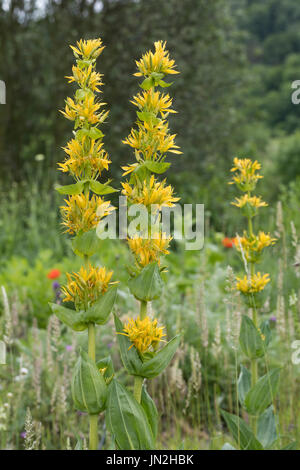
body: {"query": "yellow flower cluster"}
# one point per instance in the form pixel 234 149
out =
pixel 245 173
pixel 86 78
pixel 83 288
pixel 154 102
pixel 143 334
pixel 157 62
pixel 252 246
pixel 82 213
pixel 84 111
pixel 253 201
pixel 148 250
pixel 253 284
pixel 149 193
pixel 151 141
pixel 87 158
pixel 88 49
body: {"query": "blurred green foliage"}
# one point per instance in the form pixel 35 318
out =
pixel 271 119
pixel 237 60
pixel 201 36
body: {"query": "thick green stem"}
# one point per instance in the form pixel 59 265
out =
pixel 93 419
pixel 143 309
pixel 137 391
pixel 138 381
pixel 250 226
pixel 93 437
pixel 254 366
pixel 254 374
pixel 92 341
pixel 254 377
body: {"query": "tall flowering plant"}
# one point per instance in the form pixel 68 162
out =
pixel 256 394
pixel 140 338
pixel 90 293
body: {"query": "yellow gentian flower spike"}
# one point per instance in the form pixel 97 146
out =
pixel 143 334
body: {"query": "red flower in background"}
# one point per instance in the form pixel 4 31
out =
pixel 228 242
pixel 53 274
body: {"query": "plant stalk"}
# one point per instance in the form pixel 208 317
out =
pixel 143 309
pixel 138 381
pixel 137 390
pixel 93 436
pixel 92 341
pixel 254 365
pixel 93 419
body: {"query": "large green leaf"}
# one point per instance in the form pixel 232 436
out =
pixel 88 386
pixel 71 318
pixel 127 420
pixel 148 116
pixel 250 339
pixel 101 189
pixel 244 384
pixel 139 173
pixel 164 84
pixel 99 312
pixel 153 367
pixel 148 284
pixel 86 243
pixel 157 167
pixel 262 394
pixel 241 432
pixel 150 410
pixel 147 83
pixel 71 189
pixel 266 428
pixel 130 358
pixel 95 133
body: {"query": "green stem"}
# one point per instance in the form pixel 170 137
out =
pixel 254 365
pixel 137 391
pixel 254 377
pixel 93 432
pixel 143 309
pixel 92 341
pixel 93 437
pixel 250 226
pixel 138 381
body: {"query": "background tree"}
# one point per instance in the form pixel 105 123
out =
pixel 201 36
